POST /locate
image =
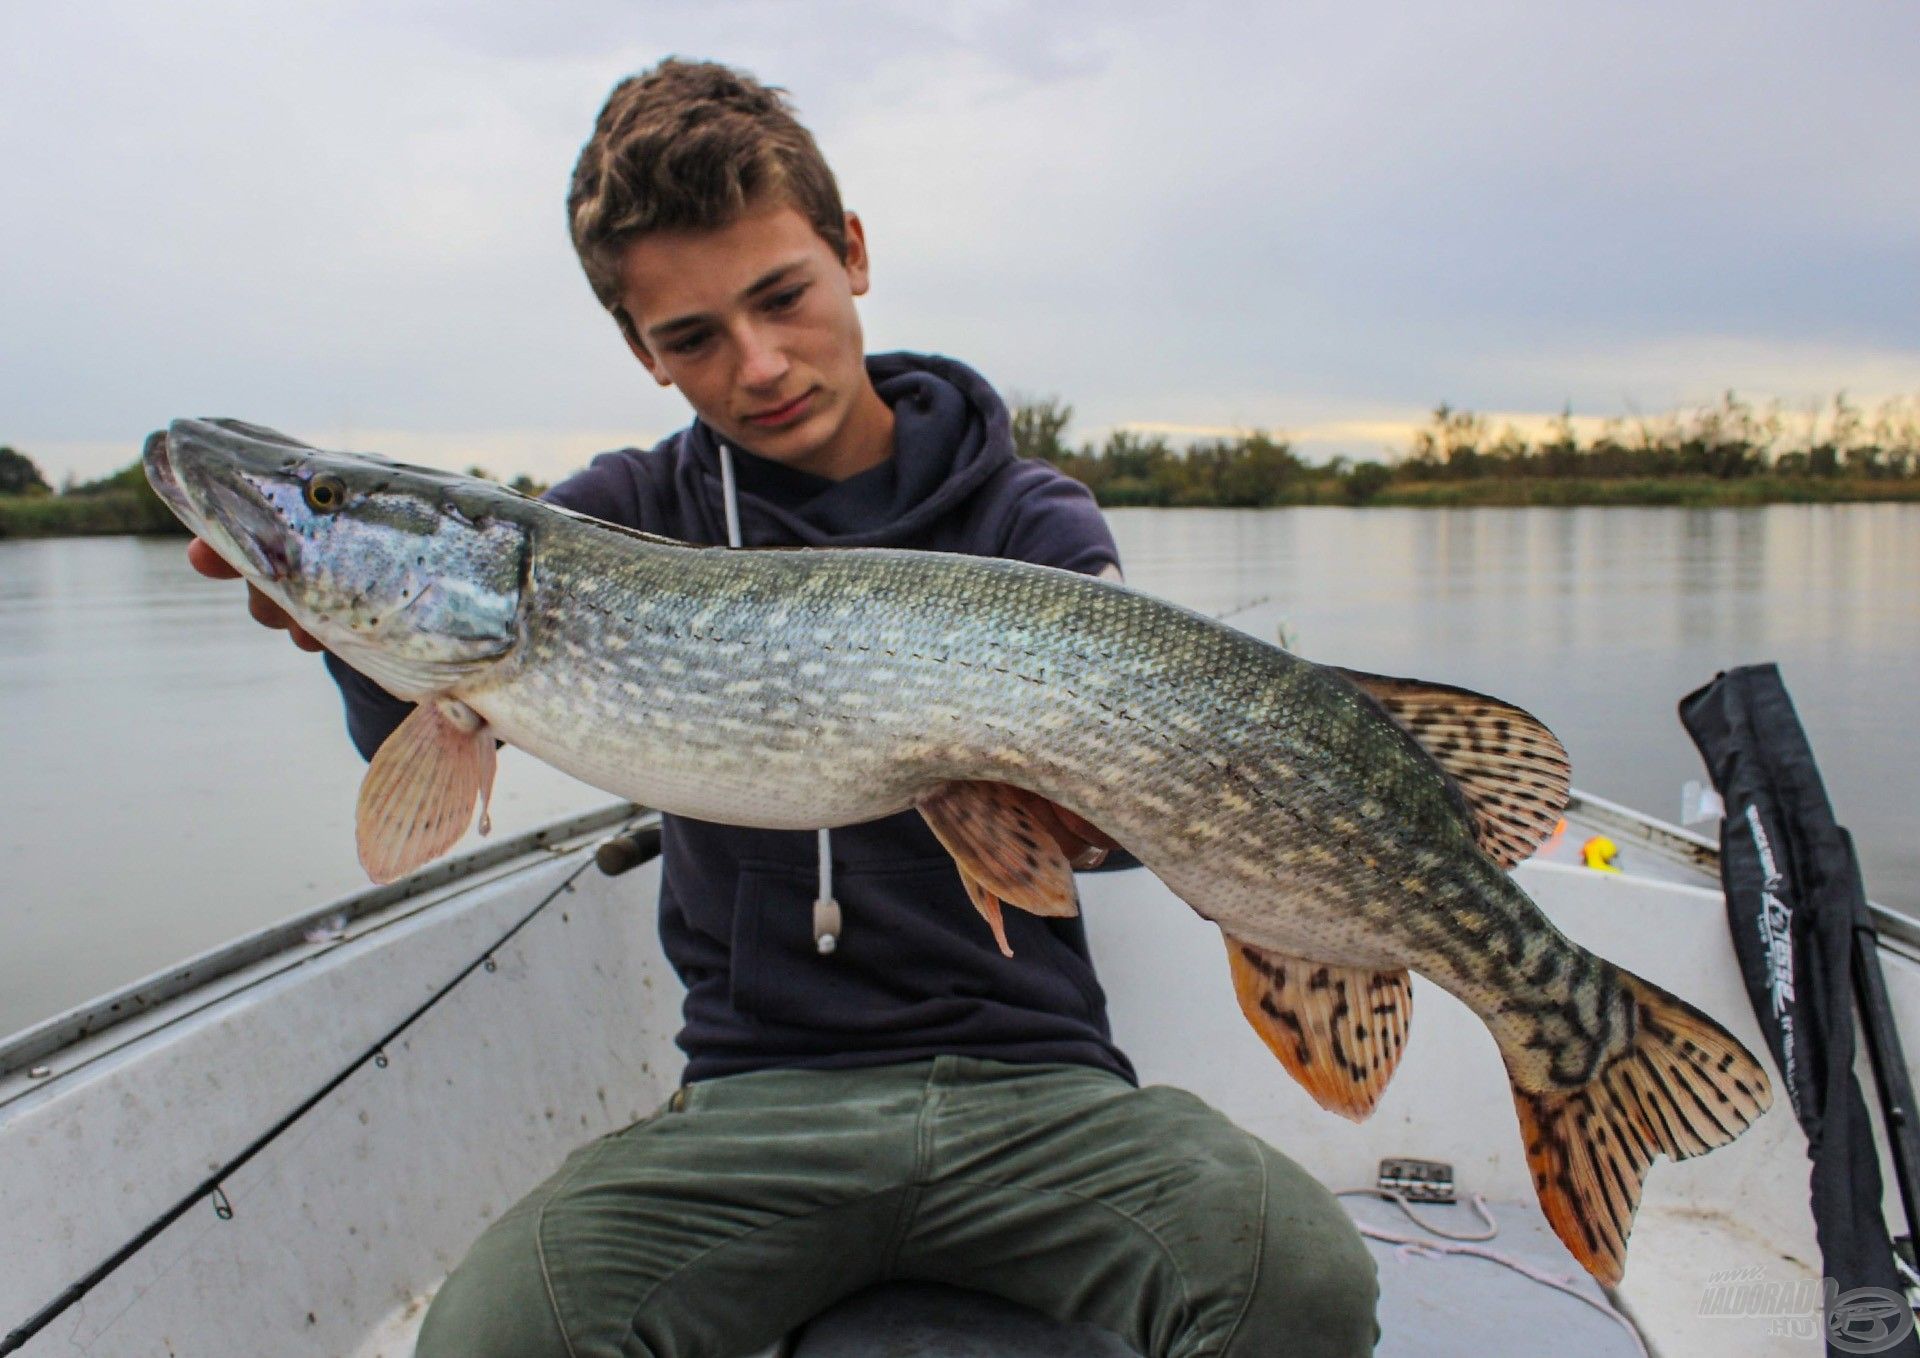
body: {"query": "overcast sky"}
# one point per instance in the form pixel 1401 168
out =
pixel 345 219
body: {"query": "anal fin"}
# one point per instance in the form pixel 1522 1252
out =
pixel 1338 1030
pixel 417 798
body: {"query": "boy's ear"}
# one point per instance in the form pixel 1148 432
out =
pixel 640 351
pixel 858 262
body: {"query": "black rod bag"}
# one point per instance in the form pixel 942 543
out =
pixel 1797 910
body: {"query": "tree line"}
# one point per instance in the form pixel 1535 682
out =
pixel 120 503
pixel 1729 452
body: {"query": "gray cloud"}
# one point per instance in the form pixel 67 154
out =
pixel 347 221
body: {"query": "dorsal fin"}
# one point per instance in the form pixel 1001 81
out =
pixel 1512 770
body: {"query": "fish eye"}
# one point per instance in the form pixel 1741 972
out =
pixel 326 493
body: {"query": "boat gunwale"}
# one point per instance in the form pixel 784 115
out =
pixel 1690 848
pixel 87 1021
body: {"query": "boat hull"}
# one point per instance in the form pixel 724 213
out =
pixel 345 1223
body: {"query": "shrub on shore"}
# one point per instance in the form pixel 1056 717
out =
pixel 121 503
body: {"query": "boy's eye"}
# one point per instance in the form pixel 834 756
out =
pixel 786 301
pixel 688 344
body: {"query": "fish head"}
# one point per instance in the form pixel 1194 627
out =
pixel 415 577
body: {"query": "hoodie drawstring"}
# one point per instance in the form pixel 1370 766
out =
pixel 729 497
pixel 826 910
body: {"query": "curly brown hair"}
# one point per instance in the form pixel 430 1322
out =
pixel 691 145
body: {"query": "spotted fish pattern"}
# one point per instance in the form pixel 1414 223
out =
pixel 1342 829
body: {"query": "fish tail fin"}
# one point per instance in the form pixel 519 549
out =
pixel 1683 1086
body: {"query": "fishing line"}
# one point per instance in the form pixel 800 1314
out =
pixel 1240 608
pixel 275 1168
pixel 211 1186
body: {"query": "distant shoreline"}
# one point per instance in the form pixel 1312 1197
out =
pixel 1730 454
pixel 1685 492
pixel 125 514
pixel 113 513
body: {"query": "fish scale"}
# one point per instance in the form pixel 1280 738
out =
pixel 1342 829
pixel 627 675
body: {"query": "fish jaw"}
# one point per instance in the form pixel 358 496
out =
pixel 413 577
pixel 218 501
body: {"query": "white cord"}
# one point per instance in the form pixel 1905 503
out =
pixel 1388 1195
pixel 1413 1247
pixel 729 497
pixel 826 910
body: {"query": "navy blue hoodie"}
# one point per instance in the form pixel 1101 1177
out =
pixel 915 973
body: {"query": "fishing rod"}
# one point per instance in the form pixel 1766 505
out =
pixel 614 856
pixel 1889 1062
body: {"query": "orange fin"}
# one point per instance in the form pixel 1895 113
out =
pixel 1684 1086
pixel 1008 844
pixel 988 905
pixel 1084 844
pixel 417 798
pixel 1512 770
pixel 1339 1031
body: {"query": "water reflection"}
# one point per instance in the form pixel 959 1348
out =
pixel 170 775
pixel 1599 620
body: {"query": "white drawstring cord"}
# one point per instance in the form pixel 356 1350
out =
pixel 826 910
pixel 729 498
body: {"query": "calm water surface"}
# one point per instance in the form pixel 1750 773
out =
pixel 171 775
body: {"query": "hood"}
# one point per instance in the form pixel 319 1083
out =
pixel 952 432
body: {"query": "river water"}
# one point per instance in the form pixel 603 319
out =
pixel 171 775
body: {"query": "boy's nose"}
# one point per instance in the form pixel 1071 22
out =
pixel 762 364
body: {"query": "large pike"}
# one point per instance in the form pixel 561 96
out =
pixel 1340 828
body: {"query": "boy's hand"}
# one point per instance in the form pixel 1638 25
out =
pixel 265 611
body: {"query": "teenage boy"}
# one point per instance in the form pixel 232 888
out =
pixel 882 1094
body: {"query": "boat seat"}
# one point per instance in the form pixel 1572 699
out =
pixel 1431 1305
pixel 928 1320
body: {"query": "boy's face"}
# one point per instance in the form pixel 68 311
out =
pixel 755 323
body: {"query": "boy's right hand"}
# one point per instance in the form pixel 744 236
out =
pixel 265 611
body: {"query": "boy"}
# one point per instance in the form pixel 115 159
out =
pixel 872 1090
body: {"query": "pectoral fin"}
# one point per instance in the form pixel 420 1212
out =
pixel 417 798
pixel 1011 846
pixel 1339 1031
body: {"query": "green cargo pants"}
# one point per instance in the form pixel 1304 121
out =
pixel 749 1204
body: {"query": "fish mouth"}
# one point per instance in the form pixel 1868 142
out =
pixel 157 461
pixel 206 474
pixel 253 527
